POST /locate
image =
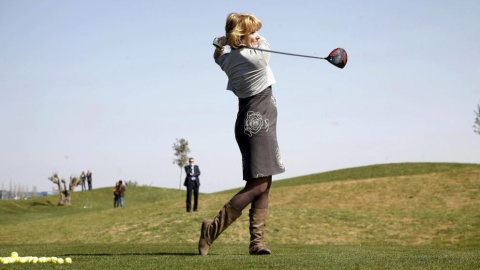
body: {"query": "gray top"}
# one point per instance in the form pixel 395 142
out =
pixel 247 70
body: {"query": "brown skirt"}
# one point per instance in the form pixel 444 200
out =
pixel 256 135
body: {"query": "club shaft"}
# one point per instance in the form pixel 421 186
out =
pixel 292 54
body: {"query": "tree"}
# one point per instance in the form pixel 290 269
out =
pixel 34 191
pixel 131 183
pixel 22 192
pixel 65 194
pixel 181 151
pixel 15 191
pixel 476 126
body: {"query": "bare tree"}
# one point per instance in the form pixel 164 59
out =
pixel 34 191
pixel 131 183
pixel 21 192
pixel 65 194
pixel 181 151
pixel 476 126
pixel 15 191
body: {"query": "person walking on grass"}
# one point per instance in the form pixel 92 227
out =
pixel 250 79
pixel 121 193
pixel 116 195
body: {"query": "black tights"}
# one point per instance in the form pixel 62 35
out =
pixel 255 192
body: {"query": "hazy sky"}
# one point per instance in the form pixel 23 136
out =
pixel 109 85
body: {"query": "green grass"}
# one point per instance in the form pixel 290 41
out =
pixel 235 256
pixel 371 171
pixel 376 171
pixel 392 216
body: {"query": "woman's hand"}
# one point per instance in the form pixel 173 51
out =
pixel 220 42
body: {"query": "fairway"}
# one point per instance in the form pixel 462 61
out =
pixel 235 256
pixel 393 216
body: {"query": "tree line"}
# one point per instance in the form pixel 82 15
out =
pixel 17 192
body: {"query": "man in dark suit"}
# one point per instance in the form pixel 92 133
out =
pixel 192 182
pixel 89 179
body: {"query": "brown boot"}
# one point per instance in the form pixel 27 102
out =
pixel 211 229
pixel 258 219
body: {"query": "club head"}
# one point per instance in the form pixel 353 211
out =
pixel 338 58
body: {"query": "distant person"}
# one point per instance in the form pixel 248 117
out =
pixel 89 179
pixel 82 181
pixel 116 195
pixel 192 182
pixel 250 78
pixel 121 193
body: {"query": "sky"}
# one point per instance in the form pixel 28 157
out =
pixel 109 86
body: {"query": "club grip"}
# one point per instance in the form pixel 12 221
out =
pixel 216 43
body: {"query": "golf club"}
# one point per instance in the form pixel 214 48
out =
pixel 337 57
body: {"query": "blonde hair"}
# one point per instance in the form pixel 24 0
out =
pixel 239 25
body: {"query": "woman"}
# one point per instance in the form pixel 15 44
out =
pixel 250 78
pixel 82 181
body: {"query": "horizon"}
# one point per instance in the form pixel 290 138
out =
pixel 108 86
pixel 54 190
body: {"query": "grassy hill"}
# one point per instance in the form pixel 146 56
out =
pixel 399 204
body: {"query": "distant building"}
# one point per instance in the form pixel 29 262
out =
pixel 43 194
pixel 5 195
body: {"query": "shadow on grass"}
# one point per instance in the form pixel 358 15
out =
pixel 135 254
pixel 48 203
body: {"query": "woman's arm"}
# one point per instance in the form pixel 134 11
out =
pixel 218 52
pixel 219 43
